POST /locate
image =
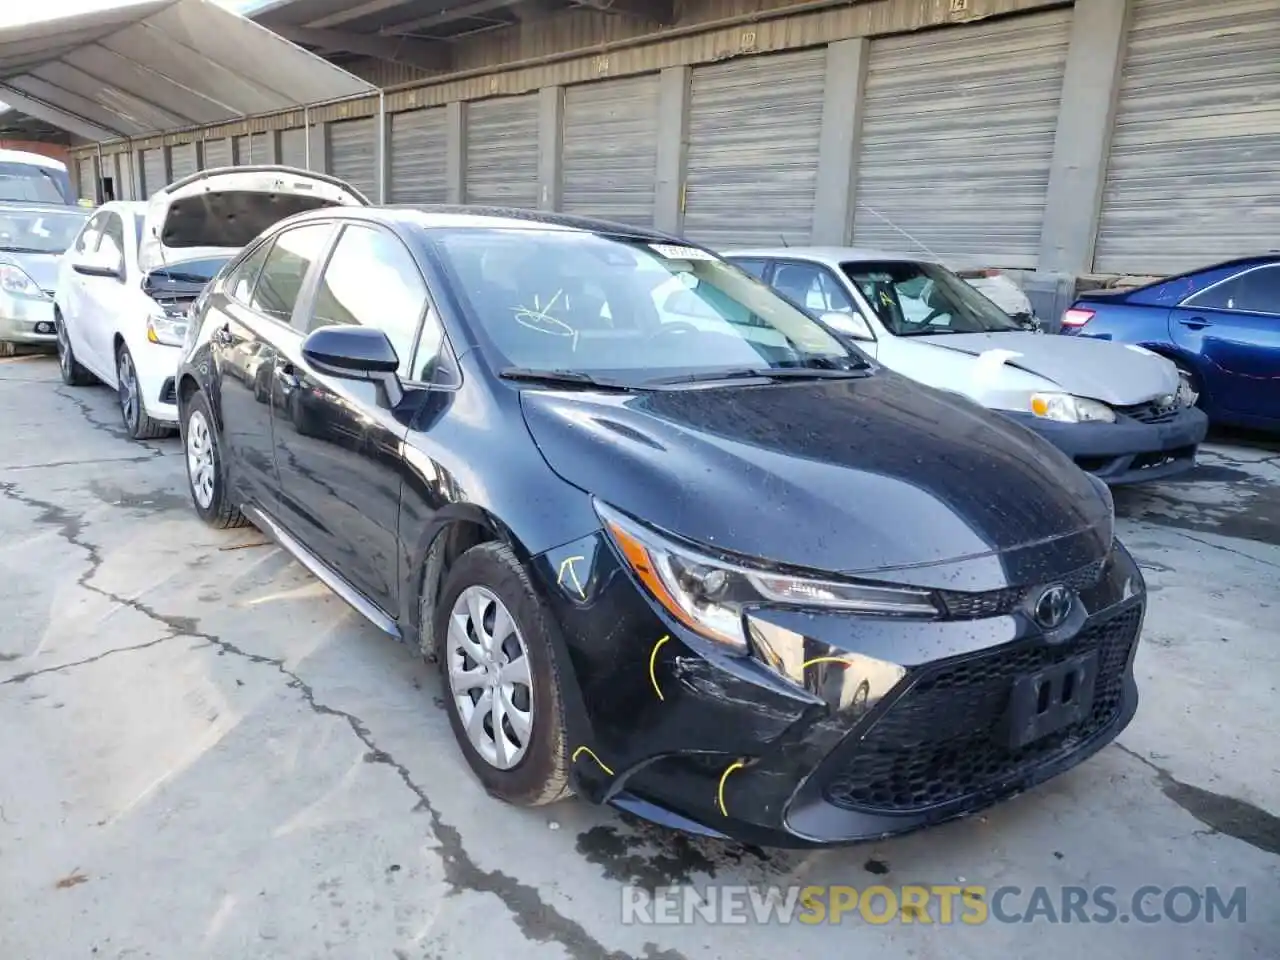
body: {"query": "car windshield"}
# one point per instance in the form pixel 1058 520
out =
pixel 40 231
pixel 592 304
pixel 32 182
pixel 923 299
pixel 188 271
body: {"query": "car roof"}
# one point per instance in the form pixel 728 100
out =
pixel 468 217
pixel 832 256
pixel 34 206
pixel 27 156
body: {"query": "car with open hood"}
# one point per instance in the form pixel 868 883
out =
pixel 125 286
pixel 1119 411
pixel 710 565
pixel 33 238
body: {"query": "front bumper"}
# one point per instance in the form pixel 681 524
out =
pixel 157 366
pixel 1129 450
pixel 27 321
pixel 858 728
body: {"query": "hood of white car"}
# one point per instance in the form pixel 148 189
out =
pixel 1116 374
pixel 222 210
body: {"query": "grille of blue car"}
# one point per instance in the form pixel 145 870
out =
pixel 939 743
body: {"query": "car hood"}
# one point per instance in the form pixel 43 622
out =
pixel 40 267
pixel 1117 374
pixel 854 476
pixel 222 210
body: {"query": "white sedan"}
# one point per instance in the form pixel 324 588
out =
pixel 125 287
pixel 1121 412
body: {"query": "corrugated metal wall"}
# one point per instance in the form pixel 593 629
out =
pixel 182 158
pixel 1194 170
pixel 86 180
pixel 261 147
pixel 957 139
pixel 754 126
pixel 417 156
pixel 353 154
pixel 217 153
pixel 242 150
pixel 153 179
pixel 610 161
pixel 502 152
pixel 293 148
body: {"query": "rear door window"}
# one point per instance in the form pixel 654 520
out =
pixel 285 270
pixel 1254 291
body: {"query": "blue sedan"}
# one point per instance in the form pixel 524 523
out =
pixel 1219 324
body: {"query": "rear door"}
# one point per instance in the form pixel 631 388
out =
pixel 1234 327
pixel 338 446
pixel 254 310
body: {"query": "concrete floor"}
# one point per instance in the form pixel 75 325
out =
pixel 205 754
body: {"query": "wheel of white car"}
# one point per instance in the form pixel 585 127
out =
pixel 133 407
pixel 73 372
pixel 206 471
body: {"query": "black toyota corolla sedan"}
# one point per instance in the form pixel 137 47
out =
pixel 675 546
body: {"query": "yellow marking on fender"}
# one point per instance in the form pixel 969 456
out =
pixel 590 753
pixel 736 765
pixel 573 575
pixel 653 664
pixel 840 660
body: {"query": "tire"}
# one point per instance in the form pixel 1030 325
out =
pixel 541 773
pixel 212 502
pixel 73 373
pixel 133 407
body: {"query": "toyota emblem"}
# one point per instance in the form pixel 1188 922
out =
pixel 1052 607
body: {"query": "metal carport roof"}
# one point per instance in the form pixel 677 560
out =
pixel 159 65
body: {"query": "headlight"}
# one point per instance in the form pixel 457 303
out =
pixel 710 596
pixel 1068 409
pixel 14 280
pixel 169 329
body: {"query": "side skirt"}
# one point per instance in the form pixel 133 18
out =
pixel 323 572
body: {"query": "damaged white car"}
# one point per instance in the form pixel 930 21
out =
pixel 125 287
pixel 1121 412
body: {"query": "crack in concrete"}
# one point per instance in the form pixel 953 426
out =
pixel 1220 813
pixel 55 464
pixel 1218 546
pixel 110 429
pixel 24 677
pixel 536 919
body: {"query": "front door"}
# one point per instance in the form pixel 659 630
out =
pixel 337 441
pixel 1235 327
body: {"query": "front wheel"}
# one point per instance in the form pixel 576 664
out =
pixel 502 682
pixel 206 476
pixel 133 408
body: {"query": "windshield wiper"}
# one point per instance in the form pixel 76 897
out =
pixel 25 250
pixel 767 373
pixel 570 378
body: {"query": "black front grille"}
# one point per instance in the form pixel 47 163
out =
pixel 996 603
pixel 941 740
pixel 1151 412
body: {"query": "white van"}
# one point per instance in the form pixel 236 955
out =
pixel 34 178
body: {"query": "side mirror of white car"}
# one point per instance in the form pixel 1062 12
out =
pixel 852 325
pixel 99 263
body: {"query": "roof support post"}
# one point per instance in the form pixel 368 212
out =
pixel 384 166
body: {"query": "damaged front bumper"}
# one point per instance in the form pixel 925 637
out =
pixel 1143 444
pixel 840 728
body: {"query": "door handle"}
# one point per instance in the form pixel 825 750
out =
pixel 1195 323
pixel 222 336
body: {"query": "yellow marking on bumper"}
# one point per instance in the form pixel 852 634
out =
pixel 736 765
pixel 591 753
pixel 653 665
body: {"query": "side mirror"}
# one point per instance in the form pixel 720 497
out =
pixel 355 353
pixel 852 325
pixel 99 263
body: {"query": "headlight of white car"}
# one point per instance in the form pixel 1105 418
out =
pixel 169 329
pixel 1065 408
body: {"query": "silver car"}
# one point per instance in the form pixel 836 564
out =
pixel 33 237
